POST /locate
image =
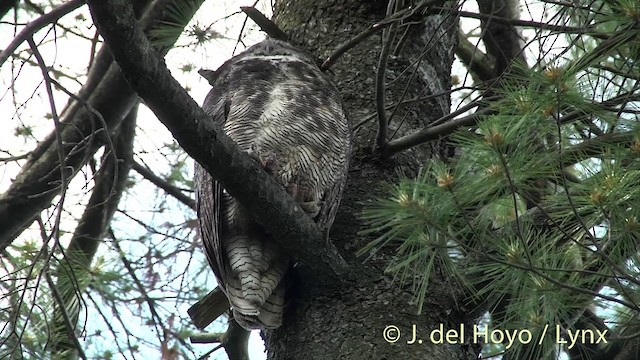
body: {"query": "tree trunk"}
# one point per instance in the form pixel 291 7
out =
pixel 348 322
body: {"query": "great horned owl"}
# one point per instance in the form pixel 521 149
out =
pixel 277 105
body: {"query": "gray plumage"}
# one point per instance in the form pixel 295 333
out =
pixel 275 103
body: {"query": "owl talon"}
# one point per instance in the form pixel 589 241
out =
pixel 312 208
pixel 268 161
pixel 292 189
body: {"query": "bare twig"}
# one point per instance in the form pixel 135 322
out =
pixel 54 112
pixel 379 26
pixel 15 158
pixel 266 25
pixel 110 182
pixel 38 24
pixel 527 23
pixel 342 49
pixel 388 35
pixel 163 184
pixel 157 320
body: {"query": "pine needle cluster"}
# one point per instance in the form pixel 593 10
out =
pixel 538 218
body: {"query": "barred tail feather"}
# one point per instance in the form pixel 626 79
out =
pixel 269 315
pixel 255 290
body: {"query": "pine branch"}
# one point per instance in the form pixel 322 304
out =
pixel 596 147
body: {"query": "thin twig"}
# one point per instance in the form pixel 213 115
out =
pixel 163 184
pixel 388 35
pixel 526 23
pixel 38 24
pixel 244 25
pixel 157 320
pixel 379 26
pixel 266 25
pixel 15 158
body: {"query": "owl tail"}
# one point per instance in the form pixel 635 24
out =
pixel 270 314
pixel 255 290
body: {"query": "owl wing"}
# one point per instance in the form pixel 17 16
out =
pixel 208 208
pixel 247 265
pixel 276 105
pixel 209 196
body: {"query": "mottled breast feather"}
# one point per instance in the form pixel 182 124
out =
pixel 277 105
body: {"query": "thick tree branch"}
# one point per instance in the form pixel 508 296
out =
pixel 502 40
pixel 480 65
pixel 209 308
pixel 7 5
pixel 432 133
pixel 234 341
pixel 205 141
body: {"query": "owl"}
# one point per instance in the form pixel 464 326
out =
pixel 279 108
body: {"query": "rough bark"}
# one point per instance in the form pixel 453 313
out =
pixel 347 322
